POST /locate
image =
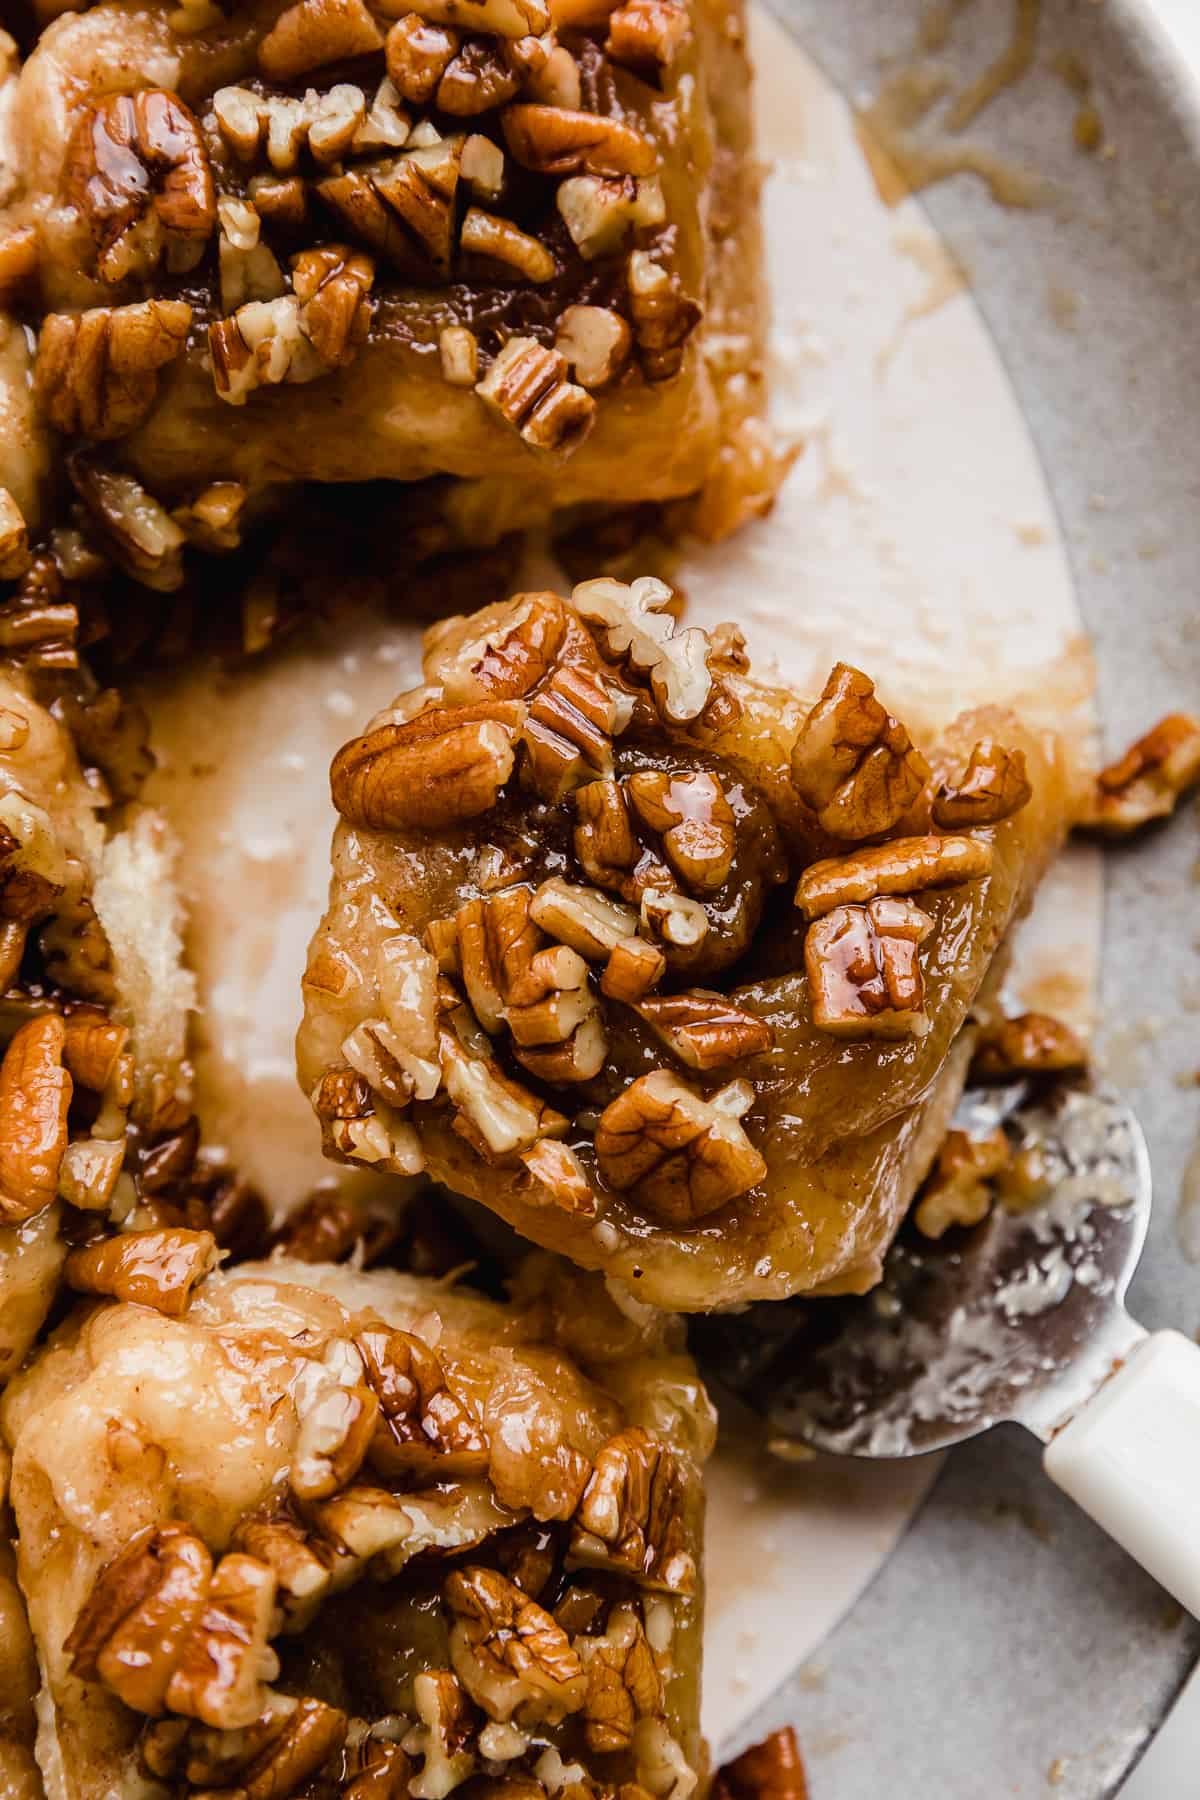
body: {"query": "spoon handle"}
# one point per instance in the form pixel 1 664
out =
pixel 1130 1457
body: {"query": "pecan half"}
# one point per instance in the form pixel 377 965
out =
pixel 442 768
pixel 1031 1044
pixel 705 1030
pixel 526 387
pixel 553 140
pixel 418 54
pixel 638 631
pixel 403 207
pixel 332 285
pixel 476 80
pixel 150 1268
pixel 679 1155
pixel 569 730
pixel 137 168
pixel 1149 780
pixel 631 1516
pixel 423 1429
pixel 604 839
pixel 623 1682
pixel 223 1660
pixel 694 820
pixel 853 763
pixel 500 241
pixel 994 786
pixel 96 373
pixel 35 1096
pixel 131 1630
pixel 903 866
pixel 957 1192
pixel 314 32
pixel 864 970
pixel 498 653
pixel 663 316
pixel 512 1657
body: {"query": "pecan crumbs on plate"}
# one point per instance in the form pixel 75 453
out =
pixel 358 1530
pixel 658 963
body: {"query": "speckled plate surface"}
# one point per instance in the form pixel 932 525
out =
pixel 1007 1649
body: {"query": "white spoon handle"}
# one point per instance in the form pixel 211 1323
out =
pixel 1130 1458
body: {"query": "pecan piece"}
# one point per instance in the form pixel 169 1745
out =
pixel 15 559
pixel 138 170
pixel 418 55
pixel 511 1655
pixel 636 630
pixel 647 35
pixel 600 212
pixel 404 207
pixel 679 1155
pixel 552 140
pixel 663 316
pixel 864 970
pixel 131 1630
pixel 92 1047
pixel 337 1414
pixel 150 1268
pixel 1149 780
pixel 493 18
pixel 35 1096
pixel 569 730
pixel 581 917
pixel 458 350
pixel 994 786
pixel 1031 1044
pixel 957 1192
pixel 332 285
pixel 442 768
pixel 496 1116
pixel 500 241
pixel 630 1519
pixel 96 373
pixel 443 1735
pixel 476 80
pixel 705 1030
pixel 314 32
pixel 903 866
pixel 221 1664
pixel 20 259
pixel 772 1770
pixel 853 763
pixel 596 342
pixel 604 838
pixel 423 1428
pixel 623 1682
pixel 526 387
pixel 142 536
pixel 498 653
pixel 633 968
pixel 558 1172
pixel 695 821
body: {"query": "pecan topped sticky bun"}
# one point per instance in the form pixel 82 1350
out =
pixel 357 1534
pixel 501 241
pixel 663 966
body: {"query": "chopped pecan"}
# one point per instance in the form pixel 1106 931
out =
pixel 864 970
pixel 262 345
pixel 332 285
pixel 695 821
pixel 705 1030
pixel 500 241
pixel 527 388
pixel 92 1047
pixel 496 1116
pixel 275 1756
pixel 403 207
pixel 131 1631
pixel 137 168
pixel 512 1657
pixel 326 124
pixel 418 55
pixel 557 1170
pixel 493 18
pixel 442 768
pixel 303 1565
pixel 476 80
pixel 596 342
pixel 142 536
pixel 20 259
pixel 311 33
pixel 498 653
pixel 458 350
pixel 87 1175
pixel 582 918
pixel 337 1415
pixel 663 316
pixel 423 1428
pixel 14 539
pixel 600 212
pixel 903 866
pixel 556 81
pixel 1031 1044
pixel 638 631
pixel 149 1268
pixel 994 786
pixel 623 1682
pixel 630 1519
pixel 407 977
pixel 679 1155
pixel 957 1192
pixel 569 730
pixel 482 166
pixel 633 968
pixel 853 763
pixel 35 1096
pixel 443 1735
pixel 280 199
pixel 222 1662
pixel 381 1771
pixel 248 267
pixel 604 839
pixel 96 373
pixel 213 520
pixel 647 35
pixel 552 140
pixel 673 917
pixel 1149 780
pixel 387 126
pixel 772 1770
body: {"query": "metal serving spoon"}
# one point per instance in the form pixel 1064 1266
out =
pixel 1021 1319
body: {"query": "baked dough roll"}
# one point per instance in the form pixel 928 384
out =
pixel 664 966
